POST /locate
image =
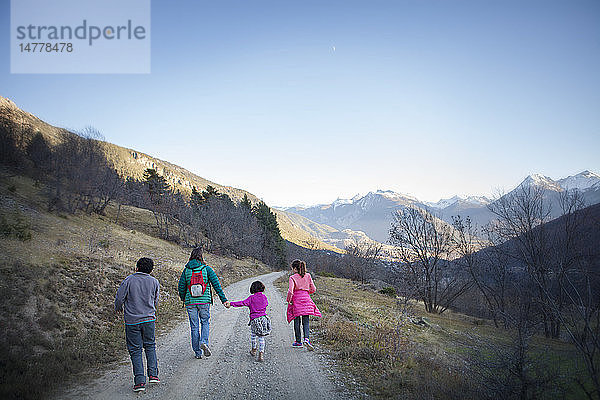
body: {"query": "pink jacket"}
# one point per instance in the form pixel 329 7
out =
pixel 298 282
pixel 257 303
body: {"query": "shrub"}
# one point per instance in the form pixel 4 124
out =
pixel 389 291
pixel 15 225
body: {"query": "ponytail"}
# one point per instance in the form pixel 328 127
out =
pixel 299 266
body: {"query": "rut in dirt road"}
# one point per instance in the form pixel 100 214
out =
pixel 230 372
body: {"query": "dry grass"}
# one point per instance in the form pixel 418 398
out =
pixel 391 357
pixel 58 288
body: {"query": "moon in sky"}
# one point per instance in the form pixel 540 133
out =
pixel 333 48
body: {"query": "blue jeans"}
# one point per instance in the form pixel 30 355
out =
pixel 142 336
pixel 305 327
pixel 199 315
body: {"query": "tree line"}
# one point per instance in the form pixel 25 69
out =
pixel 78 178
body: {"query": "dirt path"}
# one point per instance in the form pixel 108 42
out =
pixel 230 373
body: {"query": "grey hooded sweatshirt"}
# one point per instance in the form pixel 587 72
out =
pixel 137 297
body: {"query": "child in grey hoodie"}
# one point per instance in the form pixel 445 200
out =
pixel 137 296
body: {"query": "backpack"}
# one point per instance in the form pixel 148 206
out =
pixel 197 285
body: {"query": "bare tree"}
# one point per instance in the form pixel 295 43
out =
pixel 522 215
pixel 361 258
pixel 553 255
pixel 425 245
pixel 488 269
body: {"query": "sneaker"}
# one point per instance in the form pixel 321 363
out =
pixel 308 345
pixel 153 379
pixel 198 356
pixel 253 352
pixel 296 344
pixel 261 356
pixel 205 349
pixel 140 387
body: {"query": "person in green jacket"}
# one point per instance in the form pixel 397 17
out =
pixel 195 290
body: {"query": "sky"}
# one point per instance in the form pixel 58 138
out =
pixel 305 102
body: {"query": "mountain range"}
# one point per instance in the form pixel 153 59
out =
pixel 372 213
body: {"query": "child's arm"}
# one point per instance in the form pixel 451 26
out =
pixel 156 294
pixel 243 303
pixel 121 295
pixel 290 292
pixel 311 286
pixel 214 281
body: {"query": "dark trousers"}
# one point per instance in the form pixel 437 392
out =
pixel 142 336
pixel 304 319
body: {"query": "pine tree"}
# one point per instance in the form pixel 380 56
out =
pixel 273 243
pixel 209 192
pixel 157 185
pixel 158 193
pixel 245 203
pixel 196 199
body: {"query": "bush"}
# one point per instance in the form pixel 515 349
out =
pixel 389 291
pixel 15 225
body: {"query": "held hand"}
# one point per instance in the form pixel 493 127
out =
pixel 227 304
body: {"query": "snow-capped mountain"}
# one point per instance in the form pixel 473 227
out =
pixel 444 203
pixel 372 213
pixel 582 181
pixel 542 181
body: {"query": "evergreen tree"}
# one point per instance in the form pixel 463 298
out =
pixel 160 197
pixel 273 244
pixel 196 199
pixel 245 203
pixel 157 185
pixel 209 192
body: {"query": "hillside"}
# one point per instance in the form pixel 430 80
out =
pixel 392 349
pixel 132 163
pixel 58 277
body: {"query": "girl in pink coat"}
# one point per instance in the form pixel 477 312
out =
pixel 300 305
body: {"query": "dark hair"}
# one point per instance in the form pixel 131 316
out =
pixel 257 286
pixel 299 266
pixel 197 255
pixel 145 265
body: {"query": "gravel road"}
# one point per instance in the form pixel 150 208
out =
pixel 230 372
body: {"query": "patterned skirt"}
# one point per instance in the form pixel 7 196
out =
pixel 260 326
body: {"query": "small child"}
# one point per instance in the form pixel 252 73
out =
pixel 300 305
pixel 260 324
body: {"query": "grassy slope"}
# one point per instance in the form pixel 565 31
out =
pixel 393 358
pixel 58 288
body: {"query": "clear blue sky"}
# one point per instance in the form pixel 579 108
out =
pixel 431 98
